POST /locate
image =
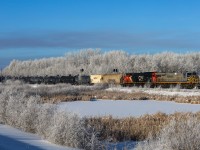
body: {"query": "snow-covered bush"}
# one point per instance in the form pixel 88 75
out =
pixel 26 112
pixel 182 133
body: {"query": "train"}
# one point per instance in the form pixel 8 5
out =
pixel 151 79
pixel 70 79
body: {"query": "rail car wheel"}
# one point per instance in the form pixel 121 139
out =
pixel 190 86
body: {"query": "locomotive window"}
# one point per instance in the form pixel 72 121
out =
pixel 189 74
pixel 194 73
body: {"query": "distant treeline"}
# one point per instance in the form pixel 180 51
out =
pixel 94 61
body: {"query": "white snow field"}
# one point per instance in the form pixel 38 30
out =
pixel 14 139
pixel 158 91
pixel 126 108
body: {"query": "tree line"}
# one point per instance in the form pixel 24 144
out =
pixel 95 61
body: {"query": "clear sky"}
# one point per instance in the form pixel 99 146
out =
pixel 44 28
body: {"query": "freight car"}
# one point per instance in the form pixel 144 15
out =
pixel 106 78
pixel 75 80
pixel 82 79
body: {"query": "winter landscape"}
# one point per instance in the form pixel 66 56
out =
pixel 99 75
pixel 96 116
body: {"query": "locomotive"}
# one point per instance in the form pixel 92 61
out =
pixel 153 79
pixel 186 80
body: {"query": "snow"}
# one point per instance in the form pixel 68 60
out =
pixel 34 85
pixel 158 91
pixel 121 89
pixel 14 139
pixel 174 93
pixel 127 145
pixel 40 85
pixel 126 108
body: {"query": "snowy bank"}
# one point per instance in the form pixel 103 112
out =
pixel 126 108
pixel 158 91
pixel 11 139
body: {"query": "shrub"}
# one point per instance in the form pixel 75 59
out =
pixel 19 109
pixel 181 133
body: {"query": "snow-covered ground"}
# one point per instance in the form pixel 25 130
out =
pixel 11 138
pixel 126 108
pixel 14 139
pixel 158 91
pixel 174 93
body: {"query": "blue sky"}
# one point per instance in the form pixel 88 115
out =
pixel 43 28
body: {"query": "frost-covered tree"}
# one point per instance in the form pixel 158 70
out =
pixel 94 61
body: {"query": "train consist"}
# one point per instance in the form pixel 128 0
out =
pixel 76 80
pixel 152 79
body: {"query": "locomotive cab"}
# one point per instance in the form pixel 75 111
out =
pixel 191 77
pixel 188 74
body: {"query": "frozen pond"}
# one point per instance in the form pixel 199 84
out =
pixel 126 108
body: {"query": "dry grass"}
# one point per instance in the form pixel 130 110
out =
pixel 64 93
pixel 182 133
pixel 116 95
pixel 136 129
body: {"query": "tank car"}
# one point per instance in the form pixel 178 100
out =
pixel 82 79
pixel 67 79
